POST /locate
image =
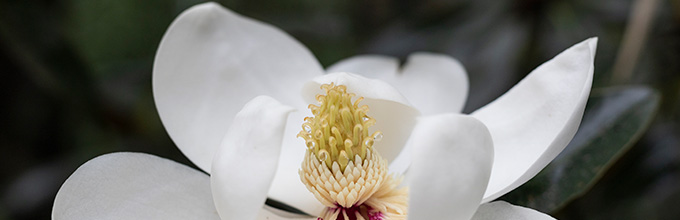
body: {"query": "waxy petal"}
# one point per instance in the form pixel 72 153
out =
pixel 244 166
pixel 501 210
pixel 286 186
pixel 210 62
pixel 451 167
pixel 433 83
pixel 533 122
pixel 380 67
pixel 134 186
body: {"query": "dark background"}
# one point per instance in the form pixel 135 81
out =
pixel 75 77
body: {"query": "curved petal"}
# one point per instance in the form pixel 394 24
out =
pixel 210 62
pixel 394 116
pixel 434 83
pixel 536 119
pixel 134 186
pixel 380 67
pixel 451 167
pixel 287 187
pixel 244 166
pixel 501 210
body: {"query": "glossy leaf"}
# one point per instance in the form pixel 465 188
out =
pixel 614 120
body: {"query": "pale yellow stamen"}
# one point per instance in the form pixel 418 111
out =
pixel 341 167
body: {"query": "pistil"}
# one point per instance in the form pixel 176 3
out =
pixel 341 167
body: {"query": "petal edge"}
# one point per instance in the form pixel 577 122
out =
pixel 501 210
pixel 134 186
pixel 210 62
pixel 244 166
pixel 450 169
pixel 533 122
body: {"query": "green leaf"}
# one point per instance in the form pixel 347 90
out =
pixel 613 121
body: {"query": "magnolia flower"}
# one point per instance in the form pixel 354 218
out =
pixel 226 86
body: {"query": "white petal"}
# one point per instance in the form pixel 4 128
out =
pixel 501 210
pixel 451 167
pixel 134 186
pixel 433 83
pixel 394 116
pixel 536 119
pixel 287 187
pixel 380 67
pixel 244 166
pixel 210 62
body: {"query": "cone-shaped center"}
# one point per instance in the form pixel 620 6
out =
pixel 341 168
pixel 338 131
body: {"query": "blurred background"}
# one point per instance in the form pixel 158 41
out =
pixel 76 79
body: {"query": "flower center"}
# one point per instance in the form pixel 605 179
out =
pixel 339 129
pixel 341 167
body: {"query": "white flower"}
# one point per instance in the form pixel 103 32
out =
pixel 211 69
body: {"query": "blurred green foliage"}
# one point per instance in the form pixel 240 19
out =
pixel 76 79
pixel 615 119
pixel 112 35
